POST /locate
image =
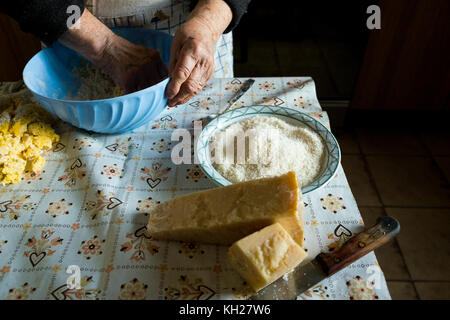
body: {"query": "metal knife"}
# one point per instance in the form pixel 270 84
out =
pixel 247 85
pixel 326 264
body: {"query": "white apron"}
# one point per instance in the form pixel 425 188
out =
pixel 162 15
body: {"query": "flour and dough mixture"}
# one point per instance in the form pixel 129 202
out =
pixel 95 85
pixel 273 147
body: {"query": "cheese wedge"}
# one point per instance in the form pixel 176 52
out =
pixel 264 256
pixel 227 214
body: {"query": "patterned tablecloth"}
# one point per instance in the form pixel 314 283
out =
pixel 90 204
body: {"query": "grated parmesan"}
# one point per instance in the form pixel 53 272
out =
pixel 273 147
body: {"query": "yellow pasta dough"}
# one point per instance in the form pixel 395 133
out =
pixel 25 133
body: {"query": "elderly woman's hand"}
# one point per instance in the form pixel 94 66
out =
pixel 191 61
pixel 132 67
pixel 192 54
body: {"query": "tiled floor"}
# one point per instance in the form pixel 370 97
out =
pixel 324 61
pixel 319 39
pixel 405 175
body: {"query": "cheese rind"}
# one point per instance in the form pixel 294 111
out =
pixel 264 256
pixel 294 225
pixel 227 214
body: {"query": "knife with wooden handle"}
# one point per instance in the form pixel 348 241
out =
pixel 324 265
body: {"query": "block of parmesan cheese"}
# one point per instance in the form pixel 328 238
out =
pixel 226 214
pixel 264 256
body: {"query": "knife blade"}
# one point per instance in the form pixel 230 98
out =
pixel 247 85
pixel 244 88
pixel 324 265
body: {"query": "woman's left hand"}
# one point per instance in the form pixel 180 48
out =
pixel 191 62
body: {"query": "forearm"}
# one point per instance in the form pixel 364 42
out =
pixel 90 38
pixel 215 15
pixel 238 9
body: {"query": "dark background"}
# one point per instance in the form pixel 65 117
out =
pixel 403 66
pixel 323 39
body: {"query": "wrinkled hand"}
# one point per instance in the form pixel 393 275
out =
pixel 132 67
pixel 191 62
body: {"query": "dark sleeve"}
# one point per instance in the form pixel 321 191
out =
pixel 46 19
pixel 239 8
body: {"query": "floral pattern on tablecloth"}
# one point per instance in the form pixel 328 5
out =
pixel 89 208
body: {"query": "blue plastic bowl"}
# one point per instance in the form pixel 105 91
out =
pixel 49 77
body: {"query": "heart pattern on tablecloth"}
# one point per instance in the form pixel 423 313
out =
pixel 60 292
pixel 166 118
pixel 76 164
pixel 112 147
pixel 206 293
pixel 142 232
pixel 153 183
pixel 114 202
pixel 58 147
pixel 4 205
pixel 341 230
pixel 36 258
